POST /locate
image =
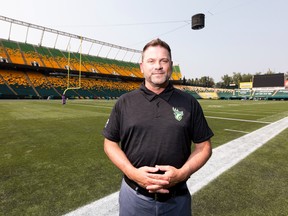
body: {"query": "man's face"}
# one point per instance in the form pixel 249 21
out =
pixel 156 66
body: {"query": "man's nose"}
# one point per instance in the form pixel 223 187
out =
pixel 158 66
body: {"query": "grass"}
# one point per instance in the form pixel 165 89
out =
pixel 255 186
pixel 52 159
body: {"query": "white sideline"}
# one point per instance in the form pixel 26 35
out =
pixel 223 158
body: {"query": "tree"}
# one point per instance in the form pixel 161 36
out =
pixel 247 77
pixel 220 85
pixel 237 78
pixel 196 82
pixel 270 71
pixel 203 81
pixel 227 80
pixel 184 80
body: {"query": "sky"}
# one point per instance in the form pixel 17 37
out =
pixel 246 36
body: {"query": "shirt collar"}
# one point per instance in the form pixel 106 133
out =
pixel 149 95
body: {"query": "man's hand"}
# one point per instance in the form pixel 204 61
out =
pixel 170 174
pixel 148 177
pixel 196 160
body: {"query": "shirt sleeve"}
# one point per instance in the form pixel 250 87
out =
pixel 200 129
pixel 111 130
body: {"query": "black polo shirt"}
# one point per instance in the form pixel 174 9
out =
pixel 157 129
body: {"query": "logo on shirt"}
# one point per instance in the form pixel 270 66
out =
pixel 178 114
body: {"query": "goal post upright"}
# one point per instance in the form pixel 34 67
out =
pixel 68 70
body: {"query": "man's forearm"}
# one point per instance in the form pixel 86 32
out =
pixel 197 159
pixel 117 156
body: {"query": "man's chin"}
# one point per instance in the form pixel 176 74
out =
pixel 160 83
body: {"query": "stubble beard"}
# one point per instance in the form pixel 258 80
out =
pixel 159 80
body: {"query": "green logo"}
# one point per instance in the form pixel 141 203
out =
pixel 178 114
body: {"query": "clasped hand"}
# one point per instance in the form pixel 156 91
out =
pixel 157 179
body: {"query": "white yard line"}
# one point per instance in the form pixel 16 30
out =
pixel 233 119
pixel 239 131
pixel 235 113
pixel 90 105
pixel 226 156
pixel 222 159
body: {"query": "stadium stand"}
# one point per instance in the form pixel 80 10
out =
pixel 176 75
pixel 3 55
pixel 225 94
pixel 5 89
pixel 27 54
pixel 19 83
pixel 190 90
pixel 31 57
pixel 46 57
pixel 41 72
pixel 38 71
pixel 263 94
pixel 208 95
pixel 13 51
pixel 242 94
pixel 33 84
pixel 271 94
pixel 280 94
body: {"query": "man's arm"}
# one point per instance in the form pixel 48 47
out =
pixel 200 155
pixel 141 176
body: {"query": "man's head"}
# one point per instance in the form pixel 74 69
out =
pixel 157 42
pixel 156 64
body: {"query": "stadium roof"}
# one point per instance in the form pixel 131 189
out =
pixel 40 35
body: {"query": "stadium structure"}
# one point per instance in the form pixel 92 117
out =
pixel 79 67
pixel 40 71
pixel 263 87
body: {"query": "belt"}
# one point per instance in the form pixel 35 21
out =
pixel 178 190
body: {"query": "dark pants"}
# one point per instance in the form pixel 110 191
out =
pixel 133 203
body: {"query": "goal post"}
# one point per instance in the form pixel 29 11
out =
pixel 68 70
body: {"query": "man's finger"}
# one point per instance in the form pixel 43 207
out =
pixel 149 169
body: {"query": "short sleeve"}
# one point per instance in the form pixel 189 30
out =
pixel 111 130
pixel 200 129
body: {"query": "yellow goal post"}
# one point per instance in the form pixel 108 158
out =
pixel 68 70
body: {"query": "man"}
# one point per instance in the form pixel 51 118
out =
pixel 148 137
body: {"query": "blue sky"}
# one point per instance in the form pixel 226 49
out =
pixel 245 36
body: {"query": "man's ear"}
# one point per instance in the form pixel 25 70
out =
pixel 140 64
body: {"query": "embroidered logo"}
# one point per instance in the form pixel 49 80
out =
pixel 178 114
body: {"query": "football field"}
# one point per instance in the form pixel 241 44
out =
pixel 52 159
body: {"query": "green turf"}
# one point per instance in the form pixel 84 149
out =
pixel 256 186
pixel 52 159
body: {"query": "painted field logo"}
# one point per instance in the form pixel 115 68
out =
pixel 178 114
